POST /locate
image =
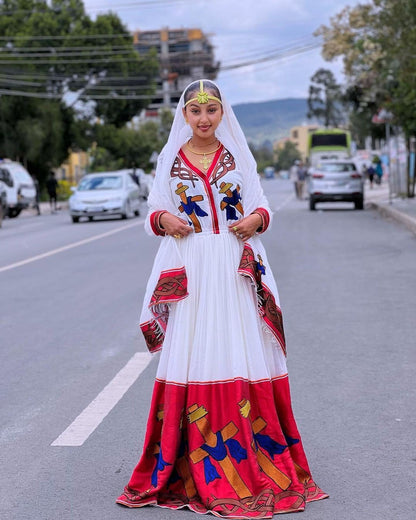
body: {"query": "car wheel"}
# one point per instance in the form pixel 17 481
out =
pixel 312 203
pixel 359 204
pixel 14 212
pixel 75 219
pixel 137 213
pixel 127 213
pixel 90 219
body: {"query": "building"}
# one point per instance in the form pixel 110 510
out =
pixel 299 136
pixel 74 167
pixel 184 55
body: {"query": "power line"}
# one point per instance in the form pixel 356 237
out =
pixel 157 4
pixel 66 37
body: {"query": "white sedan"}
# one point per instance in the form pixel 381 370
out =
pixel 105 194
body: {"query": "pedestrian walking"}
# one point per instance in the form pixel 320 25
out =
pixel 370 174
pixel 51 187
pixel 293 176
pixel 221 436
pixel 302 171
pixel 378 172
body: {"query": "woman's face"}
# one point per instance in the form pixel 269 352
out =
pixel 203 118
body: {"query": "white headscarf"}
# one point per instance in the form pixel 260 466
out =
pixel 231 136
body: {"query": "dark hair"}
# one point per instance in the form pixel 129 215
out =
pixel 193 89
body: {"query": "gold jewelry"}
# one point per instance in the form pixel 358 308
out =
pixel 204 161
pixel 235 229
pixel 177 236
pixel 203 97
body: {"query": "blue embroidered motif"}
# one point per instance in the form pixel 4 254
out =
pixel 236 450
pixel 267 443
pixel 209 471
pixel 217 452
pixel 160 466
pixel 290 440
pixel 190 207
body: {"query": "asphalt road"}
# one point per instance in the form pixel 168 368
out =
pixel 69 306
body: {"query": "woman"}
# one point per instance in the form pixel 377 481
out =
pixel 221 436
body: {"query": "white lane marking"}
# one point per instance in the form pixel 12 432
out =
pixel 69 246
pixel 92 416
pixel 285 202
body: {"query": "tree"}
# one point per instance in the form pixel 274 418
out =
pixel 55 54
pixel 325 98
pixel 378 44
pixel 287 155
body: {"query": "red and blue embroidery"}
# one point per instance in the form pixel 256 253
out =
pixel 232 200
pixel 190 207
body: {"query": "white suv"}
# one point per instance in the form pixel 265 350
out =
pixel 20 188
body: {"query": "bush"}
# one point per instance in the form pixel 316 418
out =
pixel 64 190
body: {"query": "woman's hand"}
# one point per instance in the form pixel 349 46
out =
pixel 174 226
pixel 246 227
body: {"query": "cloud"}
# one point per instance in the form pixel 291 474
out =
pixel 243 29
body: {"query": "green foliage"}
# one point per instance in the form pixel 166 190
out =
pixel 263 156
pixel 125 147
pixel 325 98
pixel 39 132
pixel 288 155
pixel 377 41
pixel 64 190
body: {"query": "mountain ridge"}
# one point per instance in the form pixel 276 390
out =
pixel 271 120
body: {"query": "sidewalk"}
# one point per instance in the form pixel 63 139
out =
pixel 400 210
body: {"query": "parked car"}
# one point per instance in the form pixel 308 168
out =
pixel 105 194
pixel 332 181
pixel 20 188
pixel 144 180
pixel 3 202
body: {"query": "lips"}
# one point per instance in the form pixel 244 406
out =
pixel 204 128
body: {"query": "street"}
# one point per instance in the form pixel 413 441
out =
pixel 70 302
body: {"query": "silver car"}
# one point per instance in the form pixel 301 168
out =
pixel 332 181
pixel 105 194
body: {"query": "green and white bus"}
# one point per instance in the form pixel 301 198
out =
pixel 329 144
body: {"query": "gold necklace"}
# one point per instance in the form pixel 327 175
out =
pixel 204 161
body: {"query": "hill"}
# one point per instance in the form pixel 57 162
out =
pixel 270 120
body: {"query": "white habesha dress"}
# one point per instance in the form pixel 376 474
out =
pixel 221 436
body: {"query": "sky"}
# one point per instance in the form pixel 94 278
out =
pixel 240 30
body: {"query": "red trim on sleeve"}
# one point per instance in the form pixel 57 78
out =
pixel 155 223
pixel 265 219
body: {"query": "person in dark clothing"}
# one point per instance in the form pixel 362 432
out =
pixel 370 174
pixel 51 186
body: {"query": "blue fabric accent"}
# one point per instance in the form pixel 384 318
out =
pixel 231 214
pixel 267 443
pixel 290 440
pixel 236 450
pixel 217 452
pixel 261 268
pixel 190 207
pixel 160 466
pixel 209 471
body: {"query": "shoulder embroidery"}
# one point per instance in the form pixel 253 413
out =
pixel 180 170
pixel 225 164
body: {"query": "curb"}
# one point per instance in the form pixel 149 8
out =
pixel 398 216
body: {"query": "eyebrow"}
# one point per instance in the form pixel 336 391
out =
pixel 197 105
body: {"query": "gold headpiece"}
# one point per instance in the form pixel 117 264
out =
pixel 202 96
